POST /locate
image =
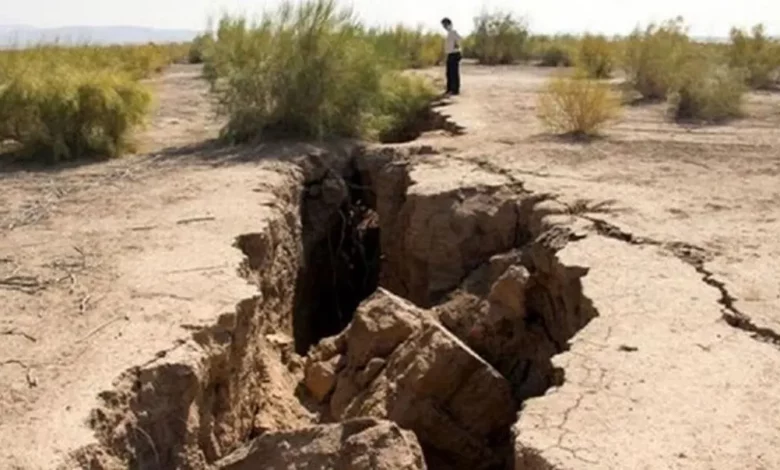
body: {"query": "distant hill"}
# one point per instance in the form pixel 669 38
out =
pixel 21 35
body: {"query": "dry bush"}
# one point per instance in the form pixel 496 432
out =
pixel 577 106
pixel 756 55
pixel 654 56
pixel 557 51
pixel 708 91
pixel 65 113
pixel 498 38
pixel 595 55
pixel 306 70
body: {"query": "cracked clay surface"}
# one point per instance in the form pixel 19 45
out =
pixel 112 263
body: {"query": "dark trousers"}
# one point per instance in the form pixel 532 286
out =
pixel 453 73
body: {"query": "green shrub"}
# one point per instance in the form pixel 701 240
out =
pixel 404 103
pixel 408 48
pixel 555 54
pixel 499 38
pixel 305 71
pixel 199 47
pixel 67 102
pixel 64 113
pixel 595 56
pixel 577 106
pixel 708 91
pixel 654 56
pixel 756 55
pixel 231 48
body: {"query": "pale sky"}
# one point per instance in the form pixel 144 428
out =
pixel 706 17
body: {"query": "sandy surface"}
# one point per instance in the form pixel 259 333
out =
pixel 105 265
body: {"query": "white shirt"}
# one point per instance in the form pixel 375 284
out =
pixel 452 44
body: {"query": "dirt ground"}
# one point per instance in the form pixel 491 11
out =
pixel 106 266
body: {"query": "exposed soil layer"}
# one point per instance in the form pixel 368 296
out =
pixel 360 221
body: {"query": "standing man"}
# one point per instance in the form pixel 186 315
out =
pixel 452 51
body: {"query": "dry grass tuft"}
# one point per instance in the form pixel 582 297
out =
pixel 577 106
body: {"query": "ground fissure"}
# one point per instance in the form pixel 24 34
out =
pixel 380 275
pixel 695 257
pixel 207 379
pixel 361 242
pixel 484 272
pixel 690 254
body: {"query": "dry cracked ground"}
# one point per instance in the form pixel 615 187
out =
pixel 488 300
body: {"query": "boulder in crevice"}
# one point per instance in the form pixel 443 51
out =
pixel 360 444
pixel 517 311
pixel 396 361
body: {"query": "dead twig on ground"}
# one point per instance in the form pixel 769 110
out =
pixel 26 284
pixel 195 219
pixel 14 361
pixel 34 212
pixel 192 270
pixel 143 229
pixel 83 304
pixel 15 332
pixel 151 295
pixel 101 328
pixel 32 381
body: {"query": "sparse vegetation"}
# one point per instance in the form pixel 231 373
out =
pixel 595 56
pixel 136 61
pixel 654 56
pixel 65 103
pixel 576 105
pixel 499 38
pixel 309 70
pixel 757 56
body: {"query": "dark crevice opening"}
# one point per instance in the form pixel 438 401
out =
pixel 426 120
pixel 341 264
pixel 341 268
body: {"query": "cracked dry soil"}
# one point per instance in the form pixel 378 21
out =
pixel 456 324
pixel 412 307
